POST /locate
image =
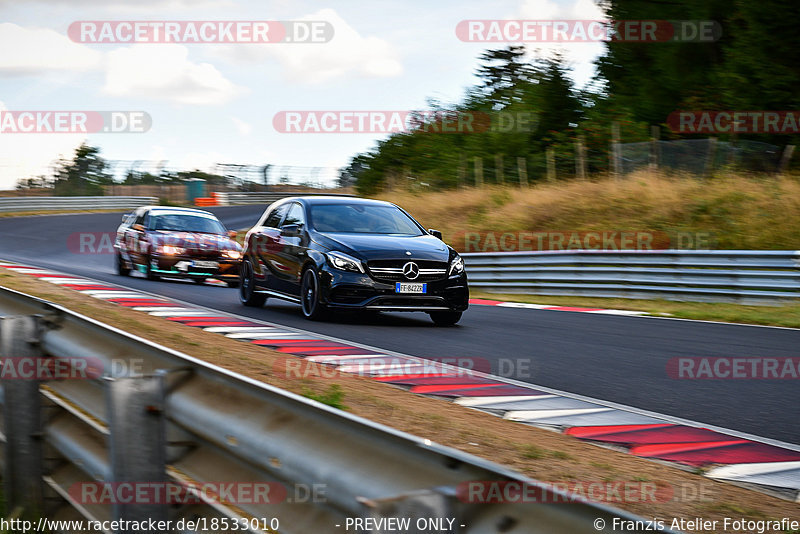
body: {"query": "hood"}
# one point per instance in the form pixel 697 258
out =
pixel 194 240
pixel 386 247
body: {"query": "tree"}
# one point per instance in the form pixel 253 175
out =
pixel 84 175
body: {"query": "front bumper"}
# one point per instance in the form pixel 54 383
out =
pixel 347 290
pixel 181 267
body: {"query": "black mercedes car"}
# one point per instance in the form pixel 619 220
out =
pixel 177 243
pixel 345 253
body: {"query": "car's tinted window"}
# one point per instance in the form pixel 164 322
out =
pixel 274 218
pixel 362 218
pixel 295 215
pixel 139 217
pixel 186 223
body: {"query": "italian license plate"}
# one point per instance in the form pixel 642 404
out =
pixel 400 287
pixel 197 264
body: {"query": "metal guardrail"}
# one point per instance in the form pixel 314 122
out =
pixel 165 416
pixel 704 276
pixel 233 198
pixel 10 204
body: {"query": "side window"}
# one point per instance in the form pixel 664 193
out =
pixel 295 215
pixel 274 219
pixel 147 220
pixel 140 218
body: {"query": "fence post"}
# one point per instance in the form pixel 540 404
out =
pixel 580 157
pixel 551 165
pixel 616 151
pixel 712 153
pixel 522 167
pixel 783 166
pixel 498 169
pixel 478 171
pixel 655 134
pixel 22 477
pixel 138 442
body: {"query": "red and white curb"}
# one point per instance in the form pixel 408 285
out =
pixel 526 305
pixel 728 455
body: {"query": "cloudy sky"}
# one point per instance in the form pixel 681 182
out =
pixel 214 103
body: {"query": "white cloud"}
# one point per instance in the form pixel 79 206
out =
pixel 348 54
pixel 580 55
pixel 37 50
pixel 28 155
pixel 165 72
pixel 242 127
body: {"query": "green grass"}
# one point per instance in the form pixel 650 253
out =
pixel 333 396
pixel 786 315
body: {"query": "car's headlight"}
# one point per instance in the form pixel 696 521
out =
pixel 232 254
pixel 344 262
pixel 457 265
pixel 170 250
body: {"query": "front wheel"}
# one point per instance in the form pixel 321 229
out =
pixel 445 318
pixel 122 269
pixel 313 309
pixel 148 271
pixel 247 289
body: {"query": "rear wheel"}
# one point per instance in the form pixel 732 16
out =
pixel 445 318
pixel 313 309
pixel 247 289
pixel 122 269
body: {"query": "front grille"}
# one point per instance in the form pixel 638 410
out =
pixel 392 270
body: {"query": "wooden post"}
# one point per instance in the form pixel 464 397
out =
pixel 498 169
pixel 478 171
pixel 522 167
pixel 712 152
pixel 462 170
pixel 616 160
pixel 785 159
pixel 655 134
pixel 551 165
pixel 580 157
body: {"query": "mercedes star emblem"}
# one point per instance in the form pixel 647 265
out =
pixel 411 270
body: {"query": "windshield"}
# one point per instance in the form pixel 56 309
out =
pixel 187 223
pixel 362 219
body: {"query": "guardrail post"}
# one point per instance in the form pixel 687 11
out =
pixel 20 350
pixel 426 511
pixel 138 441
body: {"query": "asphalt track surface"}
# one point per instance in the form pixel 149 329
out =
pixel 612 358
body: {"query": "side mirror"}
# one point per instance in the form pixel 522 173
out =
pixel 138 227
pixel 290 230
pixel 232 234
pixel 435 233
pixel 125 216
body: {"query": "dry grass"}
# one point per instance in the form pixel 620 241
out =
pixel 741 212
pixel 537 453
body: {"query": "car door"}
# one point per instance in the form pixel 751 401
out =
pixel 292 247
pixel 133 236
pixel 265 244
